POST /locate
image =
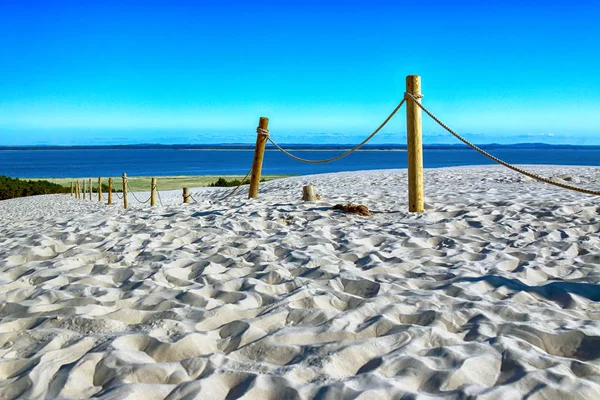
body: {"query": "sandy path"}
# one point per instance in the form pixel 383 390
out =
pixel 492 293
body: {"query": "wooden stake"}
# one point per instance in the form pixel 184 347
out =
pixel 71 188
pixel 415 145
pixel 77 189
pixel 308 193
pixel 259 153
pixel 125 202
pixel 91 188
pixel 109 191
pixel 83 185
pixel 99 189
pixel 186 195
pixel 153 192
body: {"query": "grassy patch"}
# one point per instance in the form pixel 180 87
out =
pixel 142 183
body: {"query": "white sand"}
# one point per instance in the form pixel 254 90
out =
pixel 492 293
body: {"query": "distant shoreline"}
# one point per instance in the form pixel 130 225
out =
pixel 296 146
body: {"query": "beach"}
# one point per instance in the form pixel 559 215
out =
pixel 492 293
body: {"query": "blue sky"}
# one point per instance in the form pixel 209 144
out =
pixel 106 72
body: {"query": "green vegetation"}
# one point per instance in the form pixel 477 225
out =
pixel 13 187
pixel 142 183
pixel 105 188
pixel 222 182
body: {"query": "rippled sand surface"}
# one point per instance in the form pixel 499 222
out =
pixel 492 293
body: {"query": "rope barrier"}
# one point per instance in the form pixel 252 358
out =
pixel 120 197
pixel 341 155
pixel 158 193
pixel 189 196
pixel 135 197
pixel 496 159
pixel 238 186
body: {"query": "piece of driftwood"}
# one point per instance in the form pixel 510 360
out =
pixel 308 193
pixel 354 209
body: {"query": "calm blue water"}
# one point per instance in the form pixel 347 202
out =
pixel 162 162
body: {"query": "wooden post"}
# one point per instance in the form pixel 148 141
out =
pixel 308 193
pixel 99 189
pixel 186 195
pixel 415 145
pixel 71 188
pixel 90 180
pixel 259 153
pixel 109 190
pixel 83 186
pixel 77 189
pixel 125 202
pixel 153 192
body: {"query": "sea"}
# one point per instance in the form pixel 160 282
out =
pixel 150 160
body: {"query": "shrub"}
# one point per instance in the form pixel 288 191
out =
pixel 222 182
pixel 14 187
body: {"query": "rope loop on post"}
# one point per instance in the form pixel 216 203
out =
pixel 264 132
pixel 410 96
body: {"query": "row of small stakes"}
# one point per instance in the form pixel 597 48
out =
pixel 76 190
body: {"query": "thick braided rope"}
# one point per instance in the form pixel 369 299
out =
pixel 346 153
pixel 499 161
pixel 238 186
pixel 135 197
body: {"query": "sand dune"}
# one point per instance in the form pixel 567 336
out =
pixel 492 293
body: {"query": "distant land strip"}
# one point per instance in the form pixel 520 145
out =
pixel 295 146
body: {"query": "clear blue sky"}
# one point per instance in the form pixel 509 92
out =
pixel 95 72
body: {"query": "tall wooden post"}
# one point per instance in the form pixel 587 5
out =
pixel 83 186
pixel 99 189
pixel 153 192
pixel 259 153
pixel 109 191
pixel 186 195
pixel 90 180
pixel 415 145
pixel 77 189
pixel 125 202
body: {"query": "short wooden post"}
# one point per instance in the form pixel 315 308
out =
pixel 153 192
pixel 90 180
pixel 125 202
pixel 77 189
pixel 109 191
pixel 99 189
pixel 259 153
pixel 415 145
pixel 186 195
pixel 308 193
pixel 83 186
pixel 71 188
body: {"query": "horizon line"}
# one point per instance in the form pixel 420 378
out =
pixel 297 145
